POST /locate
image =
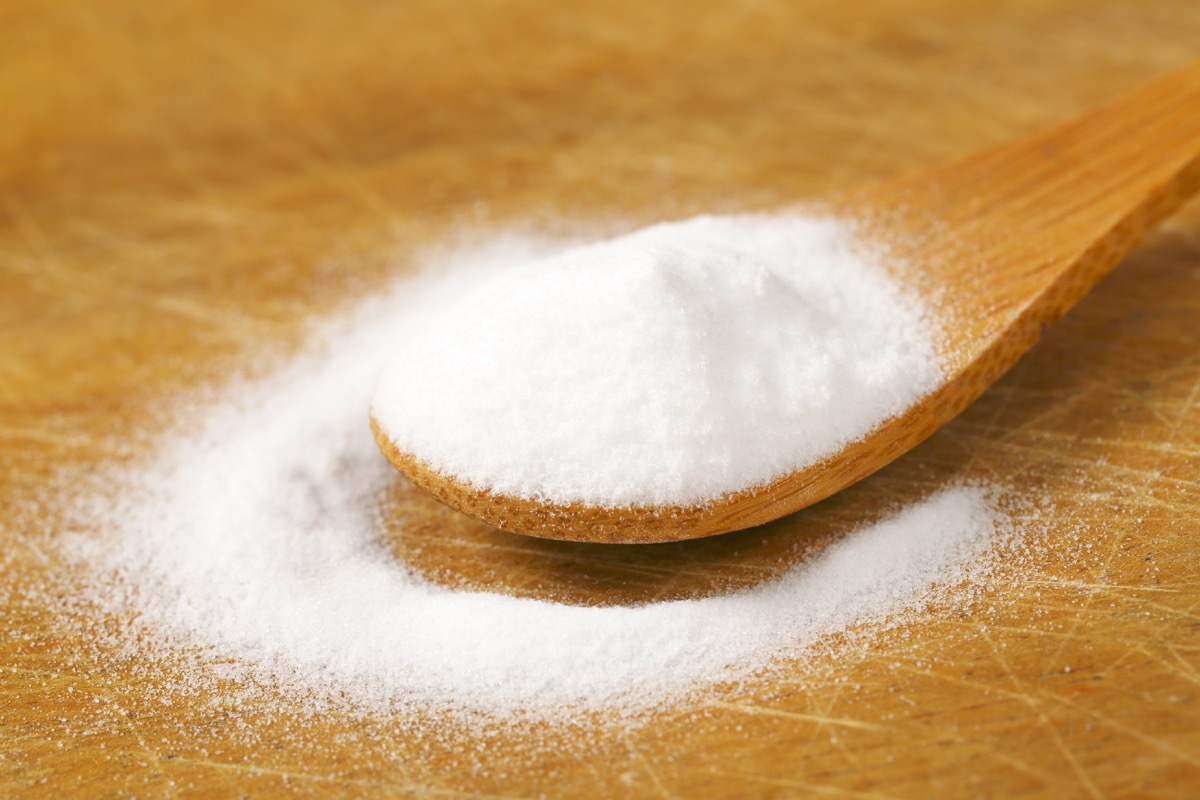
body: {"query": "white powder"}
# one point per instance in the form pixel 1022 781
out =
pixel 255 535
pixel 672 365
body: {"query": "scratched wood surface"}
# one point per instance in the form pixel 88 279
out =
pixel 185 185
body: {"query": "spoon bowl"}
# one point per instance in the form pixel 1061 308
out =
pixel 1002 244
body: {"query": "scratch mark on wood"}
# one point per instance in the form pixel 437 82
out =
pixel 815 718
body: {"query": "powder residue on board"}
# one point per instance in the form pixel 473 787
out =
pixel 255 536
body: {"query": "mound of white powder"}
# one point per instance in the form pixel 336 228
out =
pixel 669 366
pixel 255 533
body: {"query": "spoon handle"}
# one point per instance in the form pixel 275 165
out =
pixel 1012 237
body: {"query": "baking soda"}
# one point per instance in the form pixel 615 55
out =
pixel 670 366
pixel 255 533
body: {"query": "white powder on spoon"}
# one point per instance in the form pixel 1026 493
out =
pixel 255 535
pixel 670 366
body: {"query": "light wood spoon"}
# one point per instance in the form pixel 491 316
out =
pixel 1002 243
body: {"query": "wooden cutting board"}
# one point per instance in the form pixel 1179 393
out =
pixel 185 185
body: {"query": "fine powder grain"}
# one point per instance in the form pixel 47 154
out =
pixel 670 366
pixel 255 535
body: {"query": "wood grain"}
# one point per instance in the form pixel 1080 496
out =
pixel 184 187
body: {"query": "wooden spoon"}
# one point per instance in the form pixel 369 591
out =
pixel 1003 243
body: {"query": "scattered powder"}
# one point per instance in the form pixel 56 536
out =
pixel 255 533
pixel 672 365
